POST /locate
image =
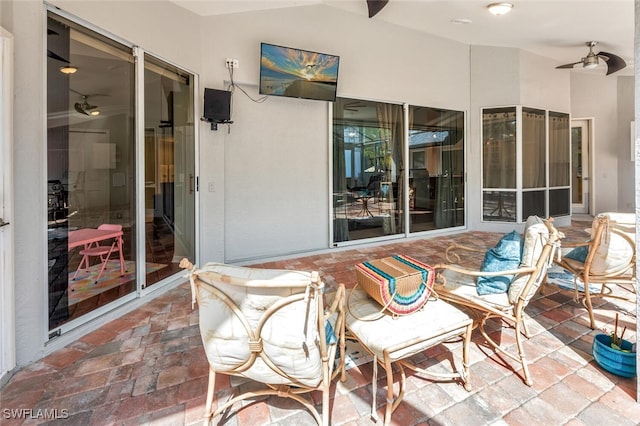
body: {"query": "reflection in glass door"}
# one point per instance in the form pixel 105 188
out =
pixel 95 246
pixel 368 171
pixel 169 168
pixel 436 168
pixel 91 169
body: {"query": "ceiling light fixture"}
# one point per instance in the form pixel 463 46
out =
pixel 590 62
pixel 500 8
pixel 68 69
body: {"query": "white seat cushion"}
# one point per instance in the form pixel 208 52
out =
pixel 436 322
pixel 464 286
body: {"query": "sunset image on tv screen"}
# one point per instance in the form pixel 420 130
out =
pixel 298 73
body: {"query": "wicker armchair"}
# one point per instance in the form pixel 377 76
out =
pixel 457 284
pixel 607 258
pixel 269 326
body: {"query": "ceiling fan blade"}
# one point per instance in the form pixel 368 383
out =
pixel 375 6
pixel 614 62
pixel 567 66
pixel 55 56
pixel 78 106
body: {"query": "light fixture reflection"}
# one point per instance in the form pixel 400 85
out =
pixel 500 8
pixel 69 69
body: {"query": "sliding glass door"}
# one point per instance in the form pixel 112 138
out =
pixel 169 168
pixel 368 170
pixel 375 194
pixel 436 168
pixel 102 227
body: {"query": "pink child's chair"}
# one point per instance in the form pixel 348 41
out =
pixel 104 252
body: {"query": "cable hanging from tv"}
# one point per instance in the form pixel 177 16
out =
pixel 218 104
pixel 233 85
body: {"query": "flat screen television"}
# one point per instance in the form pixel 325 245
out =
pixel 296 73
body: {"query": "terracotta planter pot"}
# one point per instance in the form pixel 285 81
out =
pixel 614 361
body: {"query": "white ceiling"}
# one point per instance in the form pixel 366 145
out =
pixel 552 28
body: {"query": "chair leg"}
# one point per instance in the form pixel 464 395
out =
pixel 586 301
pixel 389 405
pixel 520 357
pixel 325 399
pixel 105 260
pixel 83 261
pixel 342 347
pixel 465 357
pixel 208 409
pixel 121 257
pixel 523 360
pixel 525 327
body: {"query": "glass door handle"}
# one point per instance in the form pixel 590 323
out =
pixel 3 223
pixel 190 183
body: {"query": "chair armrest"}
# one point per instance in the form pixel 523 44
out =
pixel 461 270
pixel 574 244
pixel 454 257
pixel 337 304
pixel 337 308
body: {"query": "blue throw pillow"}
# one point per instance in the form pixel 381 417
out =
pixel 579 253
pixel 329 333
pixel 504 256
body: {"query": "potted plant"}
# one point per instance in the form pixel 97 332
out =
pixel 615 354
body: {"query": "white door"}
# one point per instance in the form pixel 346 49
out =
pixel 580 183
pixel 7 328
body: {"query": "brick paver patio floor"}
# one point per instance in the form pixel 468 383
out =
pixel 149 367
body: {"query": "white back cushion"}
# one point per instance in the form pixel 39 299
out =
pixel 535 236
pixel 614 253
pixel 226 339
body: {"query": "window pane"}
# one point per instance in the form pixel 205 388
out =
pixel 533 204
pixel 576 164
pixel 499 206
pixel 436 175
pixel 559 202
pixel 90 167
pixel 499 148
pixel 559 149
pixel 369 189
pixel 533 148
